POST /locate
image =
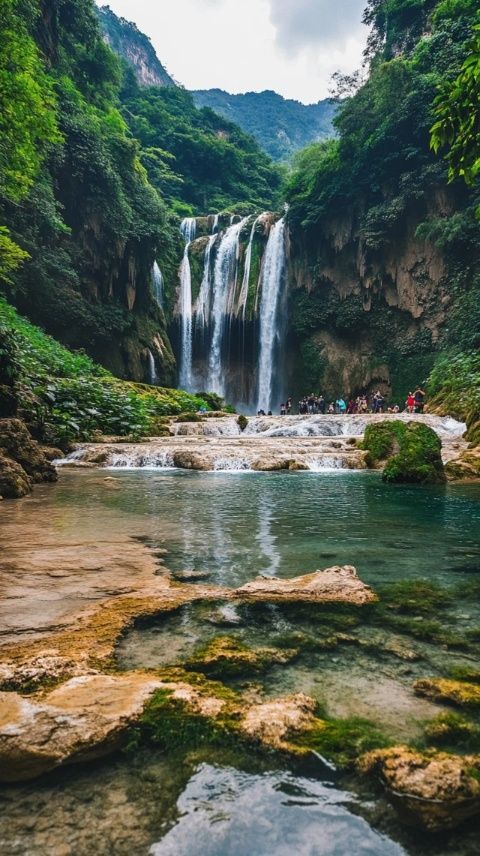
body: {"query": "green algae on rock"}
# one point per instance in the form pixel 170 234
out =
pixel 412 452
pixel 226 657
pixel 454 692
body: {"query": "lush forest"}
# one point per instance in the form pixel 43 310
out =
pixel 93 172
pixel 381 190
pixel 280 125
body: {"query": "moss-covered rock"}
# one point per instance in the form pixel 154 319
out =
pixel 454 692
pixel 14 481
pixel 453 731
pixel 409 452
pixel 225 657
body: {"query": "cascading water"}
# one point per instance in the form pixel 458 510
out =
pixel 215 224
pixel 157 280
pixel 273 278
pixel 152 370
pixel 202 309
pixel 224 287
pixel 188 230
pixel 242 300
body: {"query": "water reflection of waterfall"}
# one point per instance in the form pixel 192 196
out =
pixel 269 555
pixel 229 331
pixel 188 230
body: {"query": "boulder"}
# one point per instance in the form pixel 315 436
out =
pixel 338 584
pixel 435 790
pixel 186 460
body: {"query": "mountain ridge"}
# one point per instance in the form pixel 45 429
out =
pixel 281 125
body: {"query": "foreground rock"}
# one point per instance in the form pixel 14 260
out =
pixel 436 790
pixel 23 462
pixel 83 719
pixel 339 584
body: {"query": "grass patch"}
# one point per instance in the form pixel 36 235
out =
pixel 344 740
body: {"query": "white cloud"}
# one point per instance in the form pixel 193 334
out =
pixel 290 46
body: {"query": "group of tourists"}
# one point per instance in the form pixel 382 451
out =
pixel 376 403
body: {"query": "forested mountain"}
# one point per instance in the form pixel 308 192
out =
pixel 135 47
pixel 386 251
pixel 93 169
pixel 280 125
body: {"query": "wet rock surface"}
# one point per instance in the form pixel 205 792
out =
pixel 339 584
pixel 437 790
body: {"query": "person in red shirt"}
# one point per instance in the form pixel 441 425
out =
pixel 410 402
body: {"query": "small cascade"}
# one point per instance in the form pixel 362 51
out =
pixel 215 224
pixel 157 281
pixel 224 287
pixel 152 370
pixel 326 463
pixel 273 278
pixel 242 300
pixel 188 230
pixel 140 460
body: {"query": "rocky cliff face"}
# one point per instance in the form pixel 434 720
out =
pixel 368 312
pixel 136 48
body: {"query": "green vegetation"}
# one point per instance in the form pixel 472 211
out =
pixel 344 740
pixel 65 396
pixel 457 109
pixel 359 202
pixel 102 169
pixel 412 451
pixel 280 126
pixel 197 160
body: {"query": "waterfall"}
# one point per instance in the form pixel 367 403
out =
pixel 188 229
pixel 272 281
pixel 215 224
pixel 152 370
pixel 203 307
pixel 242 300
pixel 157 280
pixel 224 286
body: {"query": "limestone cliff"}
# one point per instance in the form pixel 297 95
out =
pixel 366 310
pixel 135 47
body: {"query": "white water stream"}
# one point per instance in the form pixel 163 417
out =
pixel 272 281
pixel 188 230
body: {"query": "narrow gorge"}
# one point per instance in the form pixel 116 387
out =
pixel 239 429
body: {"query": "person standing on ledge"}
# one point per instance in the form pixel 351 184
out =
pixel 419 398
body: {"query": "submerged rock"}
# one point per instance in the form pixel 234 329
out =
pixel 226 657
pixel 436 790
pixel 338 584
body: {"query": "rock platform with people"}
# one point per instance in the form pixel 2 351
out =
pixel 377 402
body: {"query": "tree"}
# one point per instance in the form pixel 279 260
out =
pixel 457 109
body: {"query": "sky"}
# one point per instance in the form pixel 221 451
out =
pixel 290 46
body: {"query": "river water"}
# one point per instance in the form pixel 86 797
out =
pixel 232 527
